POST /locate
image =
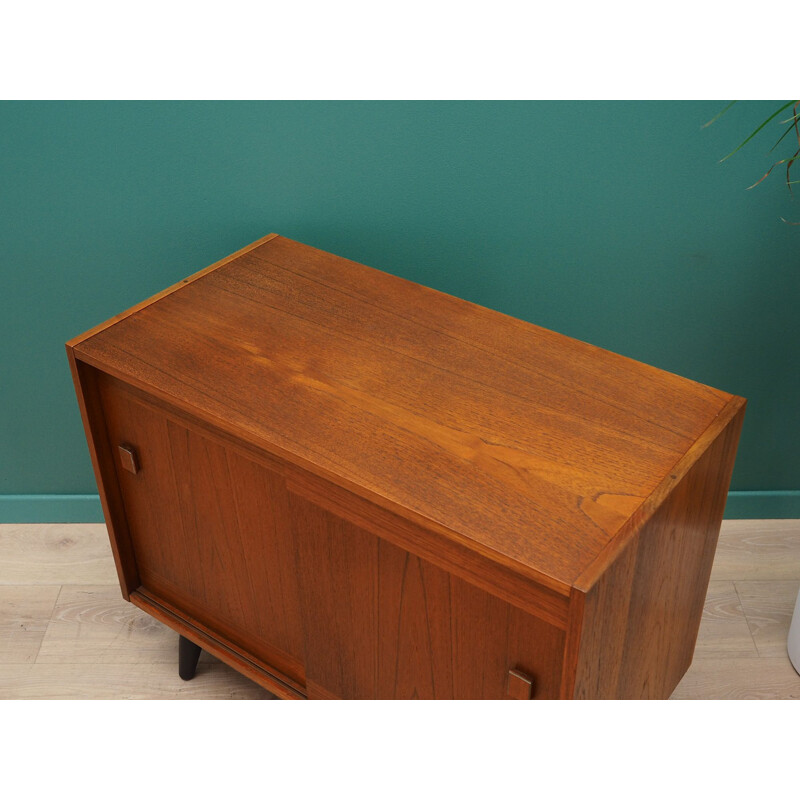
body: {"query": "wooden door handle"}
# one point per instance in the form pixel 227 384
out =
pixel 128 458
pixel 520 685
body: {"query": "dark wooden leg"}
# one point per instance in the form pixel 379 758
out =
pixel 188 653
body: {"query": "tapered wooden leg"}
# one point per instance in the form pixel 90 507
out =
pixel 188 653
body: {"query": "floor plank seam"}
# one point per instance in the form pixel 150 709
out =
pixel 49 623
pixel 747 621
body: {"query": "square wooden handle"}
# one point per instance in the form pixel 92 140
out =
pixel 128 458
pixel 520 686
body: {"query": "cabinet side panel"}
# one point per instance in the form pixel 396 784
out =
pixel 150 495
pixel 85 380
pixel 605 621
pixel 641 616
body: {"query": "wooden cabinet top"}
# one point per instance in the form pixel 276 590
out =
pixel 537 450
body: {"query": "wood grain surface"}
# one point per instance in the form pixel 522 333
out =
pixel 758 550
pixel 64 681
pixel 54 553
pixel 104 463
pixel 382 623
pixel 24 612
pixel 94 625
pixel 740 679
pixel 640 617
pixel 530 444
pixel 164 292
pixel 723 627
pixel 348 485
pixel 718 670
pixel 768 607
pixel 210 531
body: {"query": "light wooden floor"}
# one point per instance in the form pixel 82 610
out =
pixel 65 632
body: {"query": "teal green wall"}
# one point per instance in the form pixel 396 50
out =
pixel 608 221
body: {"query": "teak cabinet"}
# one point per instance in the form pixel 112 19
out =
pixel 347 485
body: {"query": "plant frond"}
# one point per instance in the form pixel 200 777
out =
pixel 727 107
pixel 765 122
pixel 776 164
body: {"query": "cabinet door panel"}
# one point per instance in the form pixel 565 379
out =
pixel 338 587
pixel 415 649
pixel 210 530
pixel 381 622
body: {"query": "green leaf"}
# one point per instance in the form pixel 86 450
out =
pixel 792 127
pixel 765 122
pixel 788 130
pixel 712 121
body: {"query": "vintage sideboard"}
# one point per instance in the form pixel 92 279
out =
pixel 347 485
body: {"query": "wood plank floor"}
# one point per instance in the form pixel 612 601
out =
pixel 65 631
pixel 741 647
